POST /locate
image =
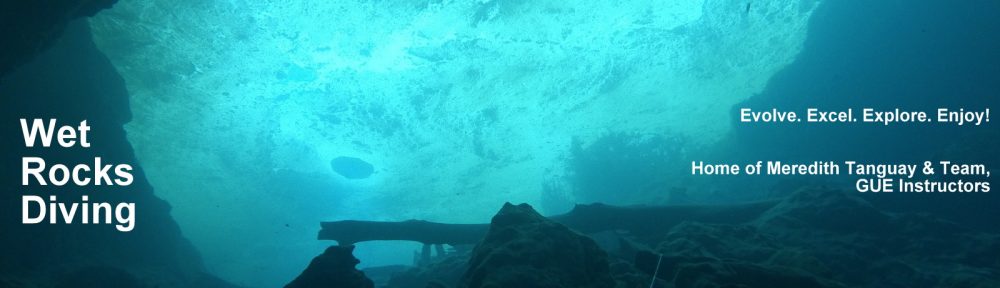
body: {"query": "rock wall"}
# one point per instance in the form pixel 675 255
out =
pixel 72 81
pixel 28 27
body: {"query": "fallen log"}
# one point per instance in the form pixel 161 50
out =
pixel 593 218
pixel 351 231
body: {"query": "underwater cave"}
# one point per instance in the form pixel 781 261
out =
pixel 492 143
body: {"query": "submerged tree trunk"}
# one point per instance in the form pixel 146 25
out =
pixel 637 220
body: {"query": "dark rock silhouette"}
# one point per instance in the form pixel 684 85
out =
pixel 98 277
pixel 29 27
pixel 51 69
pixel 442 272
pixel 524 249
pixel 335 268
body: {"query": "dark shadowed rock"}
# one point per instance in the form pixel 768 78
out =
pixel 98 277
pixel 333 269
pixel 701 271
pixel 821 237
pixel 524 249
pixel 828 209
pixel 351 167
pixel 447 270
pixel 29 27
pixel 71 80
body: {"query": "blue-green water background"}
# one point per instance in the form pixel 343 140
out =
pixel 461 106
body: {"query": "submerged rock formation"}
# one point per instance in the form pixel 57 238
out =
pixel 29 27
pixel 524 249
pixel 51 69
pixel 826 238
pixel 439 273
pixel 817 237
pixel 333 269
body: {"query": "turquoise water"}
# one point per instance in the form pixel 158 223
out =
pixel 293 113
pixel 459 106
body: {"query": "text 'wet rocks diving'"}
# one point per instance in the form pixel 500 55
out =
pixel 37 172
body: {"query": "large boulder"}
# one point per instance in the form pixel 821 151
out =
pixel 335 268
pixel 524 249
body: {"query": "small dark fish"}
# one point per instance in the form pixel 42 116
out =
pixel 748 8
